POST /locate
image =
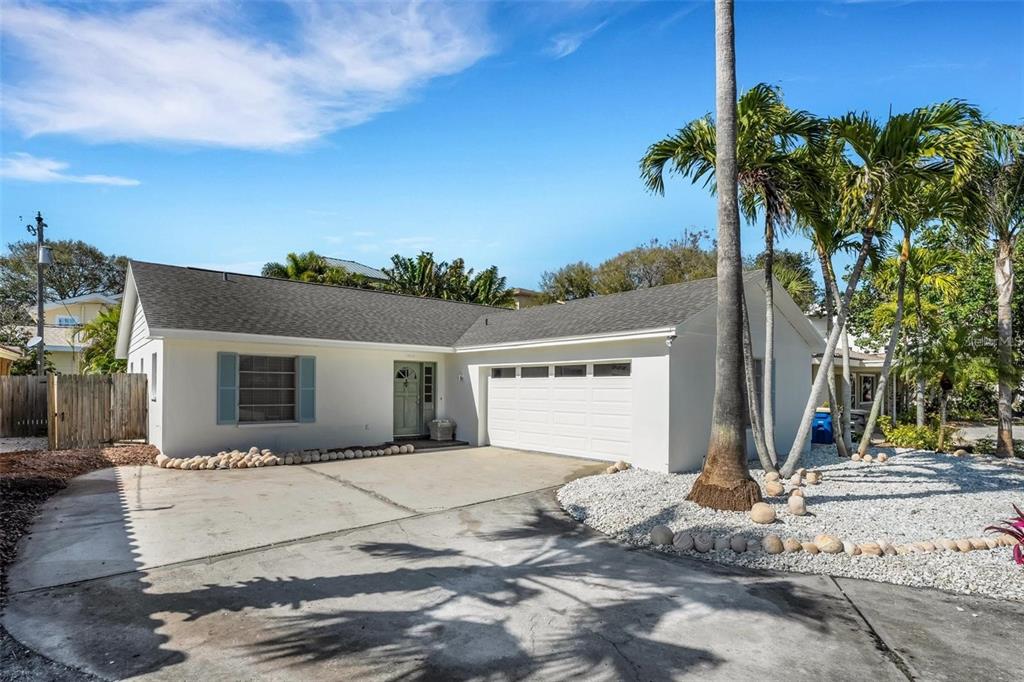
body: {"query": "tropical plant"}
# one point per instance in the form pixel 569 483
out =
pixel 724 481
pixel 1015 529
pixel 423 275
pixel 100 333
pixel 928 143
pixel 767 171
pixel 999 182
pixel 312 267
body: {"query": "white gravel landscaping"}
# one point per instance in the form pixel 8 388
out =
pixel 916 496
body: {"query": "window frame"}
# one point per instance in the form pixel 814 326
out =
pixel 530 368
pixel 497 372
pixel 627 363
pixel 294 388
pixel 563 367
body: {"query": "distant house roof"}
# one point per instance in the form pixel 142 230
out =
pixel 105 299
pixel 176 298
pixel 357 268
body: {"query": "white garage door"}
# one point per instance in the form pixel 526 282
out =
pixel 581 409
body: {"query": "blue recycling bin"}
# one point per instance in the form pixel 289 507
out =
pixel 821 428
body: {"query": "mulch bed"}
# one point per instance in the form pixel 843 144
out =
pixel 28 478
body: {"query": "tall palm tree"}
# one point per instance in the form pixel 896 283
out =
pixel 768 133
pixel 917 201
pixel 999 183
pixel 724 482
pixel 928 142
pixel 489 288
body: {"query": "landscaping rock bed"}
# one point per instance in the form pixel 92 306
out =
pixel 913 498
pixel 254 457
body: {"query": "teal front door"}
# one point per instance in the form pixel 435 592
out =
pixel 408 410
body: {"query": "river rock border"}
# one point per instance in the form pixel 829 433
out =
pixel 255 457
pixel 662 535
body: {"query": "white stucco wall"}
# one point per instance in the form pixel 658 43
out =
pixel 467 393
pixel 354 401
pixel 693 381
pixel 141 356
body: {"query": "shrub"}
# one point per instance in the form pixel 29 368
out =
pixel 913 436
pixel 987 446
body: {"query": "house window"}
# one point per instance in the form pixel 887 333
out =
pixel 758 386
pixel 428 384
pixel 570 370
pixel 152 384
pixel 535 372
pixel 503 372
pixel 67 321
pixel 612 369
pixel 266 388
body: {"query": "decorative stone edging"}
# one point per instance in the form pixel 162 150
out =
pixel 621 465
pixel 236 459
pixel 773 544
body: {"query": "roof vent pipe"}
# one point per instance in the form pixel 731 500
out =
pixel 225 276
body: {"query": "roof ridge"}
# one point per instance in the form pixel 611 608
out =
pixel 318 284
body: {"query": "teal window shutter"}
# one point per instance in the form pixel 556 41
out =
pixel 227 388
pixel 307 388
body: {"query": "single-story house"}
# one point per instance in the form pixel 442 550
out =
pixel 238 360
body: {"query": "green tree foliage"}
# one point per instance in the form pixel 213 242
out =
pixel 568 283
pixel 100 334
pixel 795 272
pixel 423 275
pixel 78 269
pixel 649 265
pixel 312 267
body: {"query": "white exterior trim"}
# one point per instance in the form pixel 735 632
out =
pixel 236 337
pixel 568 340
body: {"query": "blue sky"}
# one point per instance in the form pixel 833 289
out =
pixel 225 135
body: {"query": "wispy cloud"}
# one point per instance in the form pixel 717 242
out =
pixel 188 72
pixel 21 166
pixel 564 44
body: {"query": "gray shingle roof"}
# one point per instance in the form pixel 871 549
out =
pixel 357 268
pixel 652 308
pixel 193 299
pixel 187 298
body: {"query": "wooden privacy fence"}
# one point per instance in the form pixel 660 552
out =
pixel 22 406
pixel 90 409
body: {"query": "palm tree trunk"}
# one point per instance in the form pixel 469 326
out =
pixel 1004 294
pixel 821 380
pixel 768 400
pixel 724 482
pixel 941 445
pixel 919 396
pixel 847 394
pixel 890 349
pixel 830 311
pixel 753 403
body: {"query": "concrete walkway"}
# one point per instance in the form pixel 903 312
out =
pixel 397 567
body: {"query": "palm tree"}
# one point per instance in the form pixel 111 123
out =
pixel 929 142
pixel 489 288
pixel 767 170
pixel 312 267
pixel 100 333
pixel 999 184
pixel 724 482
pixel 916 203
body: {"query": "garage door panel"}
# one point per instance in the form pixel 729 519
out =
pixel 586 416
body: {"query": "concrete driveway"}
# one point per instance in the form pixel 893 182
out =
pixel 451 565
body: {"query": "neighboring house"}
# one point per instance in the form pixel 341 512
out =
pixel 865 370
pixel 372 274
pixel 525 298
pixel 62 321
pixel 8 355
pixel 238 360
